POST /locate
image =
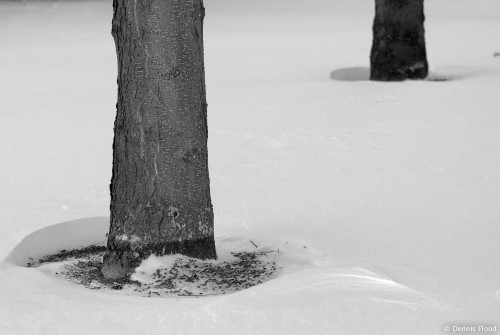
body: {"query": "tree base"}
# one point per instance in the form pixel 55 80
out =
pixel 121 260
pixel 401 74
pixel 183 278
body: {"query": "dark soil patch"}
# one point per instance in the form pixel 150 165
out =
pixel 438 79
pixel 186 277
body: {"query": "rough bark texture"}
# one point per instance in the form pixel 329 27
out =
pixel 160 193
pixel 398 50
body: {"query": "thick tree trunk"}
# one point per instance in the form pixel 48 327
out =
pixel 160 193
pixel 398 50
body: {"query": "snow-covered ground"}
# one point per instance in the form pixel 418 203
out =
pixel 383 198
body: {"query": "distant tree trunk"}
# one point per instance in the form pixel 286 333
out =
pixel 398 50
pixel 160 192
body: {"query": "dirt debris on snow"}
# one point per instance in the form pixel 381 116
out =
pixel 186 277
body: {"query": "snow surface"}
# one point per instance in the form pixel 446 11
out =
pixel 392 188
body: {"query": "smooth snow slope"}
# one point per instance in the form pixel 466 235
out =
pixel 393 188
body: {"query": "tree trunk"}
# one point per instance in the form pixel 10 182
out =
pixel 160 192
pixel 398 50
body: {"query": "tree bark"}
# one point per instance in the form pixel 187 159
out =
pixel 398 49
pixel 160 191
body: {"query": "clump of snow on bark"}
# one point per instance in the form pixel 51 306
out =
pixel 148 266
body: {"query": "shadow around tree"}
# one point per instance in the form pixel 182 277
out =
pixel 357 73
pixel 362 73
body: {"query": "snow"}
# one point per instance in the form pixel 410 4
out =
pixel 382 197
pixel 149 266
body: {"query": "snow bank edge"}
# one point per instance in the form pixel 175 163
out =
pixel 66 235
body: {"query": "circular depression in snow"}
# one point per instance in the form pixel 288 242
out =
pixel 351 74
pixel 62 236
pixel 361 73
pixel 73 251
